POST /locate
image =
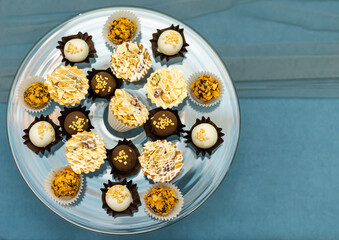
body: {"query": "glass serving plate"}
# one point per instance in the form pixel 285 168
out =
pixel 199 177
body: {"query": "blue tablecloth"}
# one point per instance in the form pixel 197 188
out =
pixel 283 183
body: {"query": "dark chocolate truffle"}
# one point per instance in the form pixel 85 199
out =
pixel 123 158
pixel 103 84
pixel 76 122
pixel 164 123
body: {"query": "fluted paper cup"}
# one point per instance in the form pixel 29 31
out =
pixel 61 200
pixel 118 14
pixel 194 77
pixel 174 212
pixel 22 88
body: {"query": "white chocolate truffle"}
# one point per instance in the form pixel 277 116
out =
pixel 76 50
pixel 118 198
pixel 204 135
pixel 170 42
pixel 42 134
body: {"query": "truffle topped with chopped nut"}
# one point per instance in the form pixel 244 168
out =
pixel 118 198
pixel 123 158
pixel 42 134
pixel 76 122
pixel 170 42
pixel 103 84
pixel 164 123
pixel 204 135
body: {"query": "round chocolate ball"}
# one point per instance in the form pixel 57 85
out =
pixel 164 123
pixel 103 84
pixel 123 158
pixel 76 122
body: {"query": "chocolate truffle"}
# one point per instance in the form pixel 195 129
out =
pixel 76 50
pixel 42 134
pixel 76 122
pixel 103 84
pixel 170 42
pixel 164 123
pixel 123 158
pixel 204 135
pixel 118 198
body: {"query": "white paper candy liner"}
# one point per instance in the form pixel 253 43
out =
pixel 194 77
pixel 174 212
pixel 22 88
pixel 61 200
pixel 116 124
pixel 118 14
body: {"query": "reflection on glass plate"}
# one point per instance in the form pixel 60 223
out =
pixel 200 176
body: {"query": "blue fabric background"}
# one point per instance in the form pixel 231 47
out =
pixel 283 183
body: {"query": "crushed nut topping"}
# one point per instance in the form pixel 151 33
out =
pixel 171 38
pixel 117 192
pixel 79 124
pixel 43 128
pixel 72 49
pixel 163 122
pixel 201 135
pixel 161 200
pixel 65 183
pixel 36 95
pixel 101 84
pixel 121 30
pixel 206 88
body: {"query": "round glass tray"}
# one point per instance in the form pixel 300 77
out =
pixel 199 177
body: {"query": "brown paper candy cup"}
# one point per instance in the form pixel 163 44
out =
pixel 42 150
pixel 135 196
pixel 84 36
pixel 22 88
pixel 148 125
pixel 67 111
pixel 209 151
pixel 120 174
pixel 92 73
pixel 154 42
